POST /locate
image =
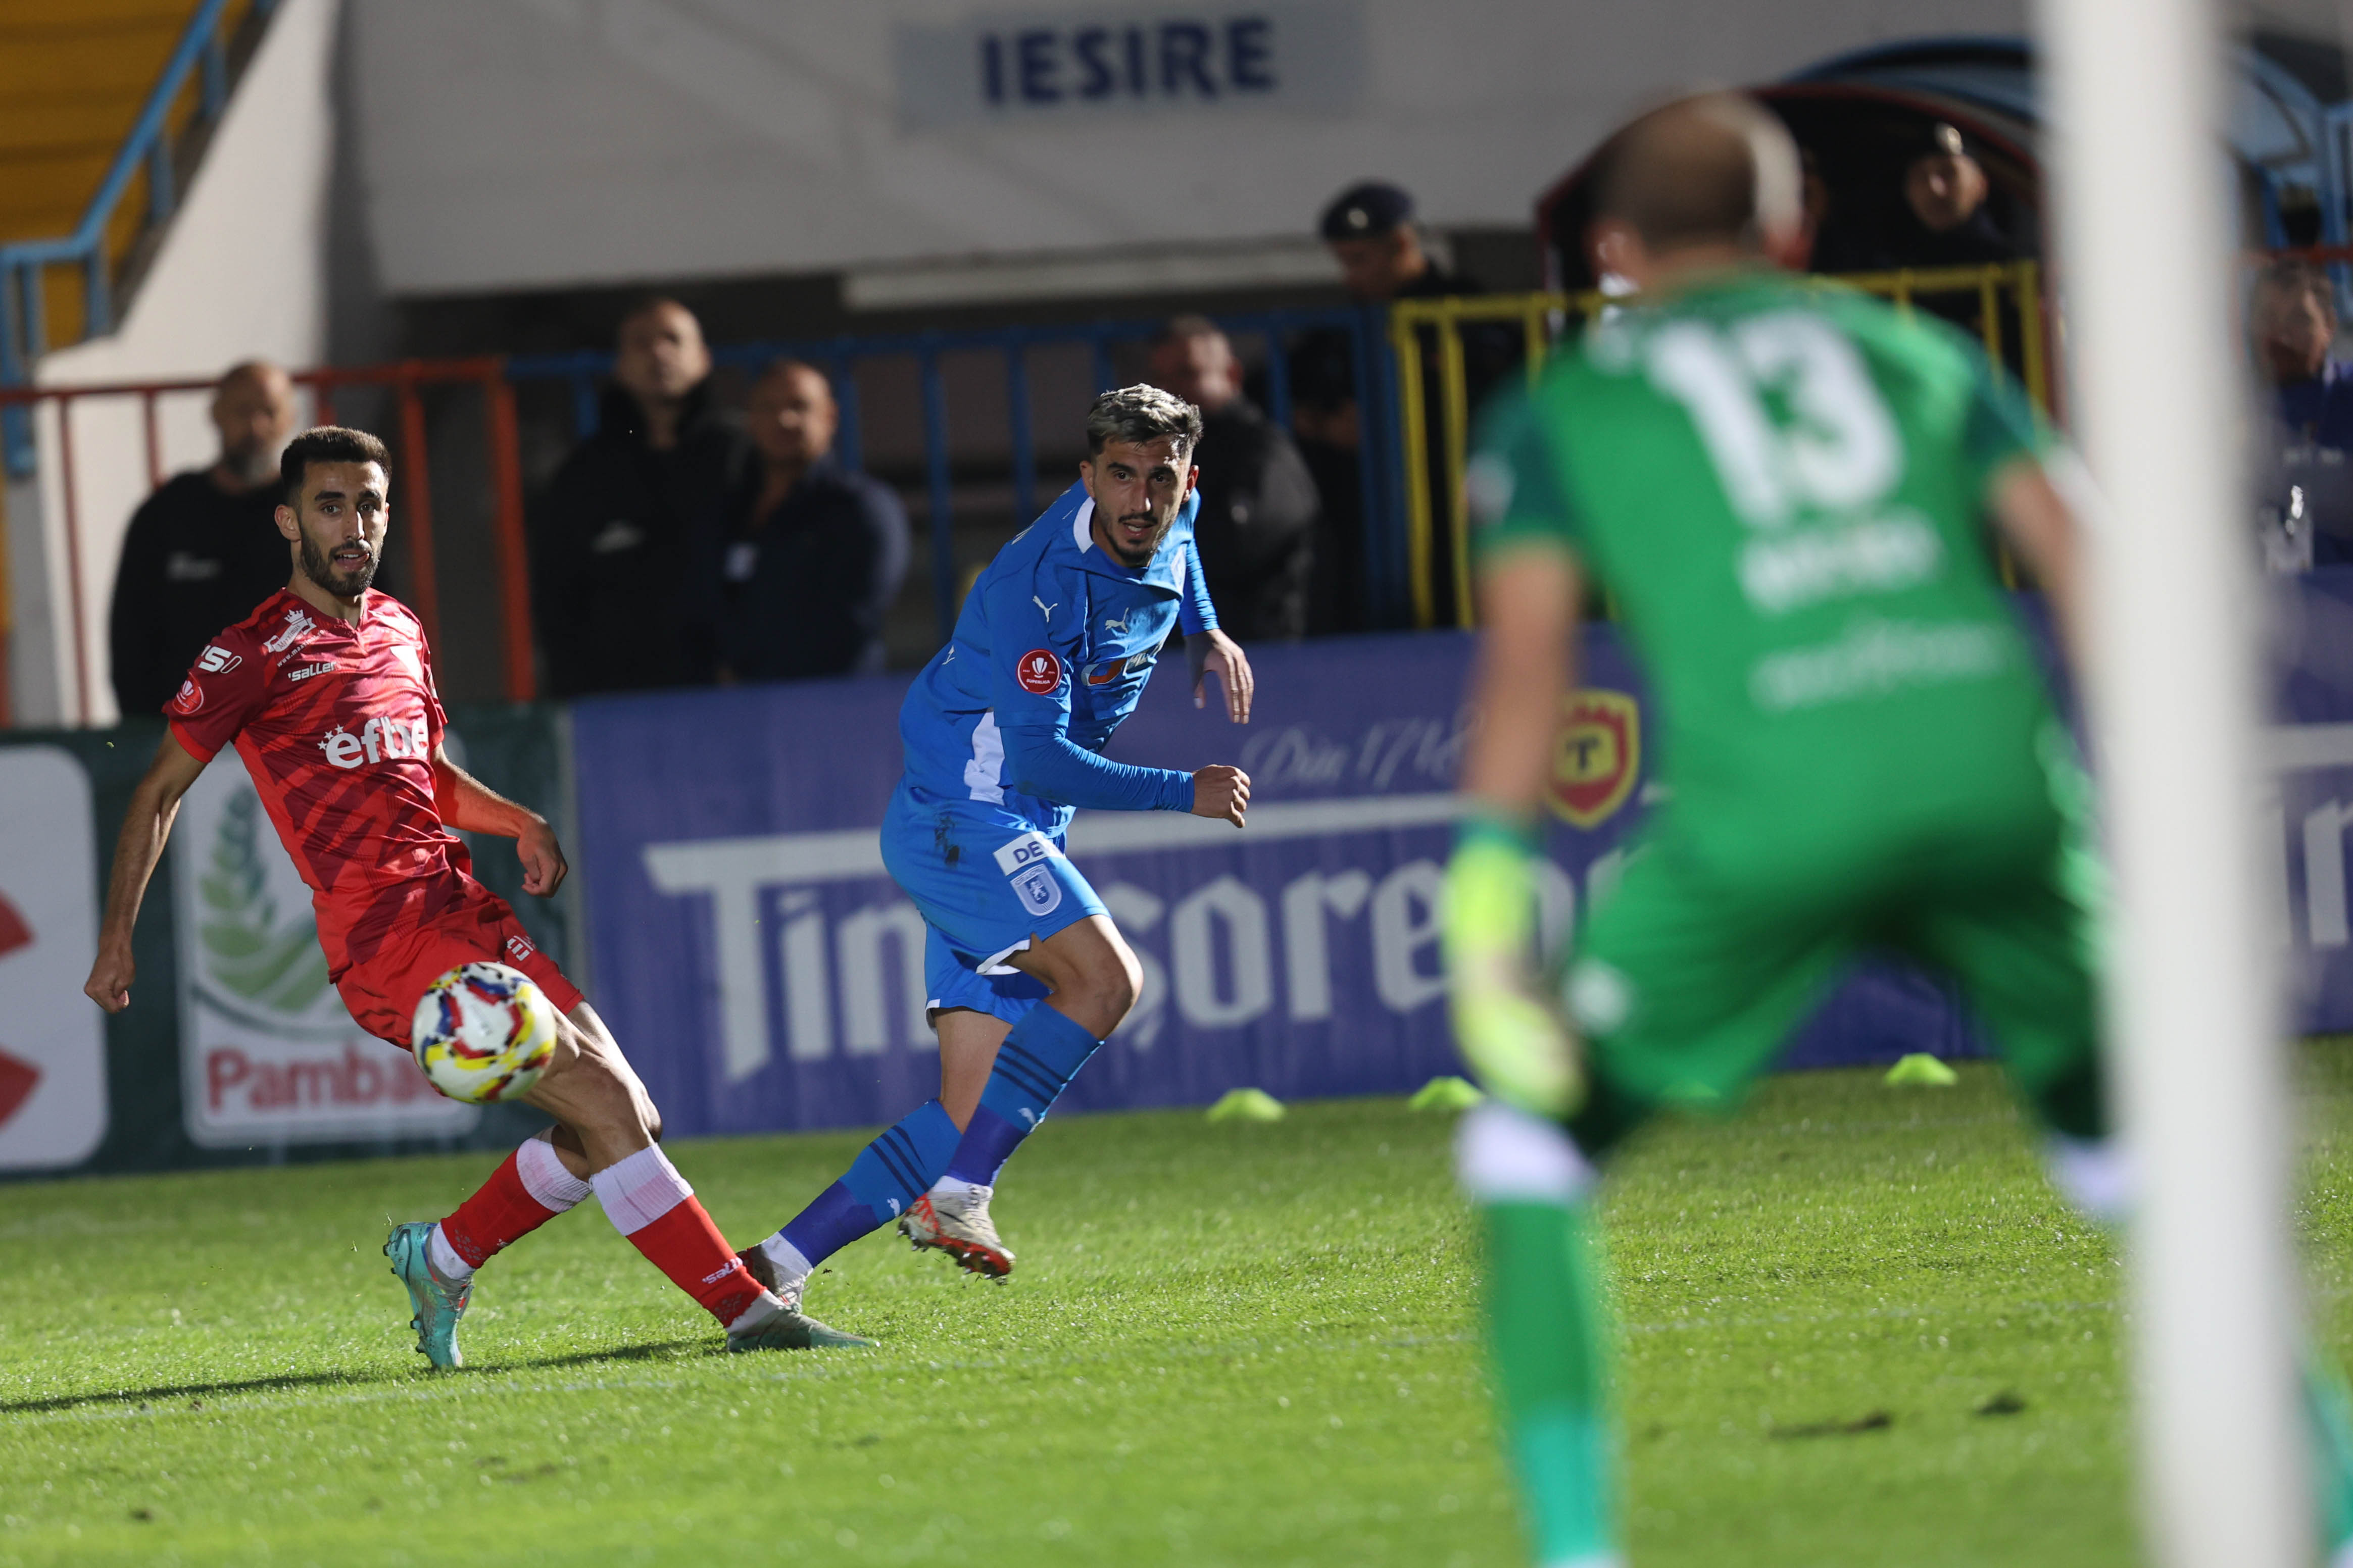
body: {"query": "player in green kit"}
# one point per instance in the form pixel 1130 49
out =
pixel 1785 489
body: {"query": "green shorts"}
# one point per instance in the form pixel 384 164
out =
pixel 1693 971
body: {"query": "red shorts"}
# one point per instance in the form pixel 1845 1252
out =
pixel 383 992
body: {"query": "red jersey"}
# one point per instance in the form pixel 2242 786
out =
pixel 337 723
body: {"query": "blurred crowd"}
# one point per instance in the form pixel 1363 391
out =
pixel 684 543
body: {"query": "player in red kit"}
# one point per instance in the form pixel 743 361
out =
pixel 327 692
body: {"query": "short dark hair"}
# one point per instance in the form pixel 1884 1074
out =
pixel 1180 329
pixel 646 305
pixel 1713 168
pixel 1141 413
pixel 326 444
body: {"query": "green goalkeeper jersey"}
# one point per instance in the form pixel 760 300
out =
pixel 1784 489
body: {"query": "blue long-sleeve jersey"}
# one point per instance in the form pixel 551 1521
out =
pixel 1051 653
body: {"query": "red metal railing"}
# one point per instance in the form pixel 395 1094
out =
pixel 413 495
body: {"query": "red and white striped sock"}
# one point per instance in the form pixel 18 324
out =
pixel 530 1187
pixel 649 1202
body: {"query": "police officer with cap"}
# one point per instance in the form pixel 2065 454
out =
pixel 1370 230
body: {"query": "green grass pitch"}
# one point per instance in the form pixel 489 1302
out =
pixel 1858 1329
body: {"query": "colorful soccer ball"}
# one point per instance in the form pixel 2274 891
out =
pixel 483 1032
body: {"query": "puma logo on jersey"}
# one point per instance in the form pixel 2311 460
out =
pixel 1046 609
pixel 298 623
pixel 378 739
pixel 1119 625
pixel 218 660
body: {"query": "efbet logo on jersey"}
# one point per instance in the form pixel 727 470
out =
pixel 1597 758
pixel 1039 671
pixel 378 739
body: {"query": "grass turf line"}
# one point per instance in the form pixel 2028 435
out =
pixel 1225 1344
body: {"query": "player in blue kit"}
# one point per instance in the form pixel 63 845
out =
pixel 1004 732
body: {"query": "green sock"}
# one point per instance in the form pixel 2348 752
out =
pixel 1548 1324
pixel 2330 1416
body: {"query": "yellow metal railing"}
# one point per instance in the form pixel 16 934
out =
pixel 1541 318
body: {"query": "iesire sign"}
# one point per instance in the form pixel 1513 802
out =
pixel 1301 57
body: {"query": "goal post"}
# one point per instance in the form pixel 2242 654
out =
pixel 2133 97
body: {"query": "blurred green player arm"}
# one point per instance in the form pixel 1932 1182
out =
pixel 1529 584
pixel 2013 456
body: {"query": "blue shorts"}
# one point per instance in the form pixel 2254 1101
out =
pixel 988 883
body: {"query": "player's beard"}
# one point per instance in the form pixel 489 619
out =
pixel 1151 547
pixel 318 566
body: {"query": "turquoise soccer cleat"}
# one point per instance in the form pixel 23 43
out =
pixel 438 1303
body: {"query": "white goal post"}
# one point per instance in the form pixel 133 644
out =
pixel 2134 95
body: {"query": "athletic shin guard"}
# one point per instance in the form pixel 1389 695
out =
pixel 1547 1328
pixel 530 1187
pixel 649 1202
pixel 1035 1064
pixel 887 1174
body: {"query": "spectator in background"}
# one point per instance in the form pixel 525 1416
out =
pixel 613 535
pixel 1370 230
pixel 2301 469
pixel 204 549
pixel 1257 523
pixel 796 571
pixel 1943 217
pixel 2294 315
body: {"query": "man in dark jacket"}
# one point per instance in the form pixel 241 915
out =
pixel 613 535
pixel 1371 232
pixel 204 549
pixel 795 574
pixel 1259 508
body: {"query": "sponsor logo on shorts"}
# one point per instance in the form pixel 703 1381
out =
pixel 1596 757
pixel 191 697
pixel 1040 893
pixel 1039 671
pixel 218 660
pixel 519 948
pixel 1029 849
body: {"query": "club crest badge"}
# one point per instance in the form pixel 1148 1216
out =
pixel 1596 757
pixel 1040 894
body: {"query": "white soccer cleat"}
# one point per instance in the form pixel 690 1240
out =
pixel 958 1225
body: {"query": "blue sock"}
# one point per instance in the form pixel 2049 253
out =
pixel 1035 1064
pixel 887 1174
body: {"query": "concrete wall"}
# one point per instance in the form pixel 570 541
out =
pixel 531 144
pixel 242 273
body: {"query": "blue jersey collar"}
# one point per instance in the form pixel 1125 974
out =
pixel 1167 567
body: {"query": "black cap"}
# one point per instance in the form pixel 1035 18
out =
pixel 1942 139
pixel 1365 210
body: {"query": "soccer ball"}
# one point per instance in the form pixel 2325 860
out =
pixel 483 1032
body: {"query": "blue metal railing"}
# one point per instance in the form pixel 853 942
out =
pixel 23 309
pixel 1375 372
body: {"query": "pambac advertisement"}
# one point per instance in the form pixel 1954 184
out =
pixel 268 1054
